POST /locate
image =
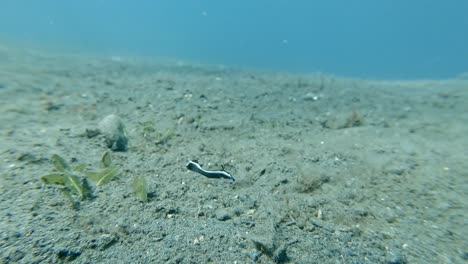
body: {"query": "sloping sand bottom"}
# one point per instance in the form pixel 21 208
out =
pixel 328 169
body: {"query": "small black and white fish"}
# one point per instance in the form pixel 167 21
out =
pixel 195 167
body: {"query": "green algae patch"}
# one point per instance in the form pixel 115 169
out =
pixel 80 167
pixel 59 163
pixel 106 160
pixel 54 179
pixel 107 172
pixel 103 176
pixel 74 186
pixel 65 177
pixel 74 181
pixel 140 188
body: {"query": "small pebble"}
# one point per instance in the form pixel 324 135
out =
pixel 223 216
pixel 393 258
pixel 255 256
pixel 114 131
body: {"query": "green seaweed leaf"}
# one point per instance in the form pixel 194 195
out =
pixel 54 178
pixel 79 167
pixel 106 160
pixel 59 163
pixel 140 188
pixel 103 176
pixel 73 183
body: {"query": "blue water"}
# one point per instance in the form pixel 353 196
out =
pixel 361 38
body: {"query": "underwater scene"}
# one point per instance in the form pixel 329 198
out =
pixel 234 131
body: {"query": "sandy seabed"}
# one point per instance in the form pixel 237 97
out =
pixel 328 169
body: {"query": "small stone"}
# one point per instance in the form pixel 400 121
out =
pixel 390 215
pixel 114 132
pixel 392 258
pixel 280 255
pixel 179 259
pixel 310 97
pixel 67 254
pixel 255 256
pixel 223 216
pixel 103 241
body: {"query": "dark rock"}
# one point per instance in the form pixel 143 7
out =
pixel 223 216
pixel 68 254
pixel 280 255
pixel 255 256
